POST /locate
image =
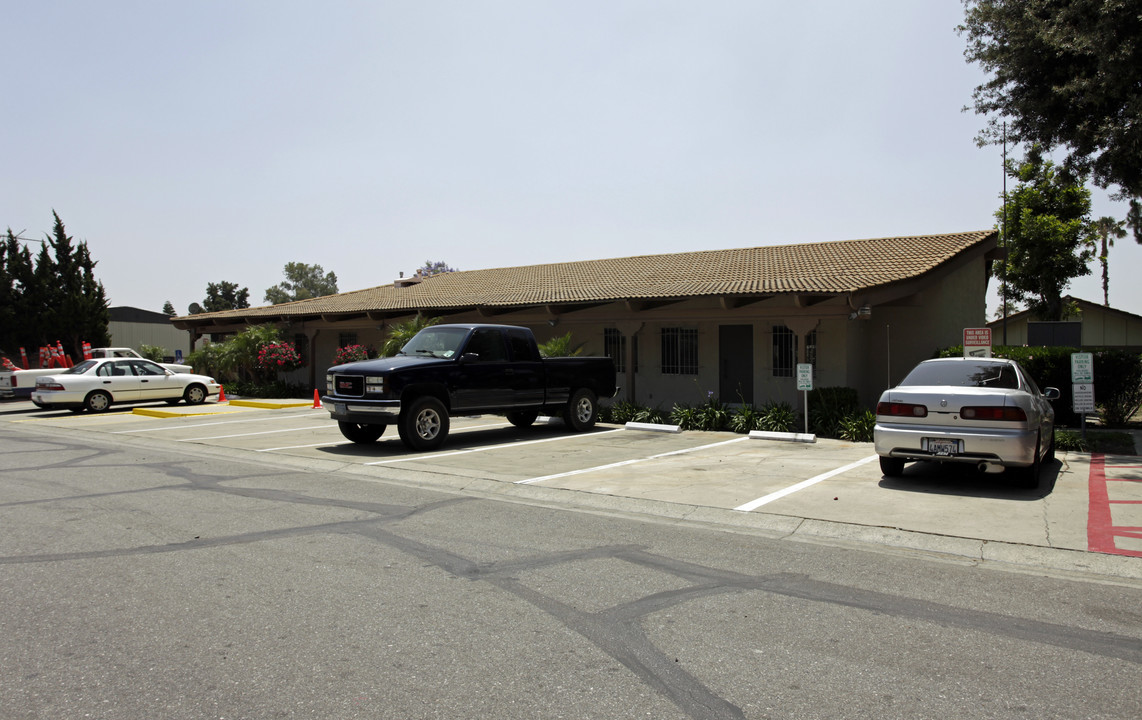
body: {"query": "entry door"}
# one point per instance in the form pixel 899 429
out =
pixel 735 363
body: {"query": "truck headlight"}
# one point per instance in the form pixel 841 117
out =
pixel 375 385
pixel 329 383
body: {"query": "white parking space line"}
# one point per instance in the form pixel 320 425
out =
pixel 263 432
pixel 491 447
pixel 342 442
pixel 755 504
pixel 628 462
pixel 209 424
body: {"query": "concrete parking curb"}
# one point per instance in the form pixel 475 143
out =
pixel 653 427
pixel 782 436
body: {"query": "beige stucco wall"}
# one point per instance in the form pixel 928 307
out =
pixel 906 324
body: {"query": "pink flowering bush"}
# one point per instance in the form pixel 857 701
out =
pixel 278 357
pixel 351 353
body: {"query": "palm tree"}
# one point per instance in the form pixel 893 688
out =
pixel 402 332
pixel 1108 230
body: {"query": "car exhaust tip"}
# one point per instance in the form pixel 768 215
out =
pixel 989 467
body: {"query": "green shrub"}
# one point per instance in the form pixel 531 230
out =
pixel 858 427
pixel 1096 441
pixel 745 419
pixel 152 352
pixel 828 406
pixel 684 416
pixel 777 417
pixel 625 411
pixel 1118 385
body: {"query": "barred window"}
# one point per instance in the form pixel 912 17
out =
pixel 784 351
pixel 615 347
pixel 679 351
pixel 811 349
pixel 346 339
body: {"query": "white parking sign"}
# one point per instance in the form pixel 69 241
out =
pixel 1082 367
pixel 804 376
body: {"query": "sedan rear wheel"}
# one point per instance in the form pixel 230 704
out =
pixel 891 467
pixel 97 401
pixel 1028 477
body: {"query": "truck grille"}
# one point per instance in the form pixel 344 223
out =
pixel 349 385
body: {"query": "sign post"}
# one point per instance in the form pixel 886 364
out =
pixel 1082 386
pixel 805 384
pixel 977 342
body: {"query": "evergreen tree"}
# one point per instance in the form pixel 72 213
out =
pixel 225 296
pixel 56 298
pixel 168 309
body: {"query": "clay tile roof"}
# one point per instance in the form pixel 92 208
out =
pixel 830 268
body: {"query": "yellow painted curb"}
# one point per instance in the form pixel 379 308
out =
pixel 175 413
pixel 271 405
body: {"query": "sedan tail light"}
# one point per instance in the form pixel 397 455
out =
pixel 49 386
pixel 901 409
pixel 1008 414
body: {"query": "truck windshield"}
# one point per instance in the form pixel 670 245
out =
pixel 436 342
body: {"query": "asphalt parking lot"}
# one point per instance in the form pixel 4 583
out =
pixel 1086 514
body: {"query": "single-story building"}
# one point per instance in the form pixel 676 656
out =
pixel 1095 326
pixel 132 327
pixel 680 326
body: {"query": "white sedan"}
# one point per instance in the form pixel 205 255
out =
pixel 982 411
pixel 95 385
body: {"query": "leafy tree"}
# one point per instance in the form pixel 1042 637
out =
pixel 1006 310
pixel 302 282
pixel 1064 73
pixel 168 309
pixel 225 296
pixel 402 332
pixel 435 268
pixel 1108 229
pixel 1048 236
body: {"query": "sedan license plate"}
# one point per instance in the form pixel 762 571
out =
pixel 943 448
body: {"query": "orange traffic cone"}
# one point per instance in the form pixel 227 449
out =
pixel 316 401
pixel 222 394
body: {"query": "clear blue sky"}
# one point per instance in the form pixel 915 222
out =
pixel 190 143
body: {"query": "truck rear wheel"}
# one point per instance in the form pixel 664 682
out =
pixel 359 432
pixel 424 425
pixel 522 418
pixel 581 411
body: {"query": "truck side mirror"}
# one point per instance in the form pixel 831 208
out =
pixel 469 357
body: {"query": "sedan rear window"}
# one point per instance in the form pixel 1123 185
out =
pixel 963 374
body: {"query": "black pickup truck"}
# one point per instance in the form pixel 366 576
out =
pixel 469 369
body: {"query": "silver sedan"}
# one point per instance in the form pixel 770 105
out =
pixel 982 411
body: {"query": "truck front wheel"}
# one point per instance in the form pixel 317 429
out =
pixel 424 425
pixel 581 411
pixel 359 432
